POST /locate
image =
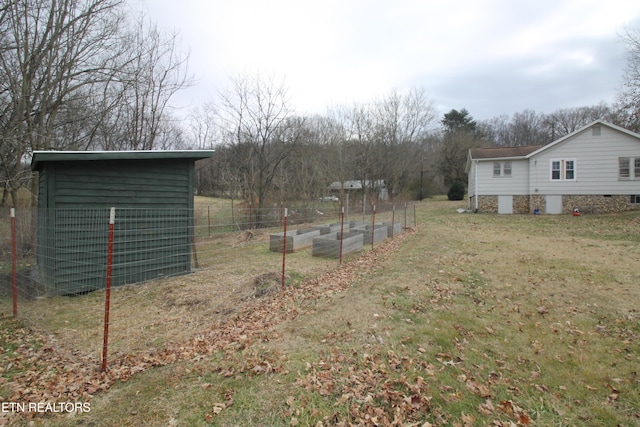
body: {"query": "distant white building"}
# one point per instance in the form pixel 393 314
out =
pixel 356 185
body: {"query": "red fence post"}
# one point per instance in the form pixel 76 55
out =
pixel 405 215
pixel 14 263
pixel 393 222
pixel 341 232
pixel 373 224
pixel 107 301
pixel 281 217
pixel 284 246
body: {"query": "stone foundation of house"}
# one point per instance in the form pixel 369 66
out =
pixel 598 204
pixel 586 204
pixel 537 202
pixel 487 204
pixel 490 204
pixel 521 205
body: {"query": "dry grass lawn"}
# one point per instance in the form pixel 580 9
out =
pixel 472 319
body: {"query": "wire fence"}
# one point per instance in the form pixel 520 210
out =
pixel 107 282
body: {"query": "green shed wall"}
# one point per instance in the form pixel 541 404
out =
pixel 153 224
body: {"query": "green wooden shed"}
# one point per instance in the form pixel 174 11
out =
pixel 152 192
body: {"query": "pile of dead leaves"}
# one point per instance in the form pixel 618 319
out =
pixel 38 369
pixel 374 388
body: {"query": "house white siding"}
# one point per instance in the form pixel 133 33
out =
pixel 513 185
pixel 471 189
pixel 594 169
pixel 596 164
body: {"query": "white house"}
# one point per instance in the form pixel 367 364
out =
pixel 594 169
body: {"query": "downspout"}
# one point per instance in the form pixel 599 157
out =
pixel 476 184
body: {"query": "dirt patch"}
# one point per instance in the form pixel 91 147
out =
pixel 268 283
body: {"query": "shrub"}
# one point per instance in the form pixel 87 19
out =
pixel 456 192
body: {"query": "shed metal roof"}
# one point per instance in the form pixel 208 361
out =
pixel 40 157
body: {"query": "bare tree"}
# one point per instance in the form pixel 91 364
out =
pixel 154 74
pixel 151 72
pixel 259 125
pixel 628 103
pixel 203 128
pixel 74 74
pixel 567 120
pixel 405 121
pixel 51 52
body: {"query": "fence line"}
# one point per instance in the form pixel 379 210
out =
pixel 66 263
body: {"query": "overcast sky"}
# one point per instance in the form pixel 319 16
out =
pixel 491 57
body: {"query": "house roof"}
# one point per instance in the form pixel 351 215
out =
pixel 502 152
pixel 40 157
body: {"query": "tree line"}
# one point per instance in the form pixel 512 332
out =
pixel 85 75
pixel 82 75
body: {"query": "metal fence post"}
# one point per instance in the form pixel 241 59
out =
pixel 341 232
pixel 284 246
pixel 405 215
pixel 373 225
pixel 393 222
pixel 107 301
pixel 14 265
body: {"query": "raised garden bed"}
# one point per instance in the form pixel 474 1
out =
pixel 296 240
pixel 372 234
pixel 329 244
pixel 393 229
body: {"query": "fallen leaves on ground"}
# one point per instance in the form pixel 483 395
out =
pixel 42 370
pixel 373 387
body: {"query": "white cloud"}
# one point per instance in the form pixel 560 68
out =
pixel 475 54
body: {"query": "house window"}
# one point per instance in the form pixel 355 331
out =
pixel 555 170
pixel 623 163
pixel 629 168
pixel 501 169
pixel 570 171
pixel 563 170
pixel 635 199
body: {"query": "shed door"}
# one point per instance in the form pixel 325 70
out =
pixel 505 204
pixel 554 204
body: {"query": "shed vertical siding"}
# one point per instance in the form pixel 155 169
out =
pixel 154 217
